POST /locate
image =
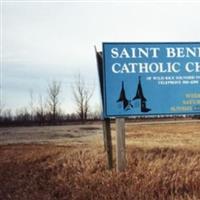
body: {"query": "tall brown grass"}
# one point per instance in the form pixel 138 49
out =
pixel 50 172
pixel 158 171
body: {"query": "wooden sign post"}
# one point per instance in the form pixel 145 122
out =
pixel 120 130
pixel 107 138
pixel 120 144
pixel 108 142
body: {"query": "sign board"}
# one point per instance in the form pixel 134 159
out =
pixel 143 79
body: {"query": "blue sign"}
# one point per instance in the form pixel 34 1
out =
pixel 151 79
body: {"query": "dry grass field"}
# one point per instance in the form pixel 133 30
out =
pixel 68 162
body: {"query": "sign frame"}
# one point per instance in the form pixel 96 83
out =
pixel 164 114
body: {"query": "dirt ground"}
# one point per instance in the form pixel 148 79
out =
pixel 69 162
pixel 59 135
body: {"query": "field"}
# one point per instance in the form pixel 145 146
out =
pixel 69 162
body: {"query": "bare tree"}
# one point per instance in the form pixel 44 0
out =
pixel 31 104
pixel 54 89
pixel 22 116
pixel 40 111
pixel 7 116
pixel 82 95
pixel 41 105
pixel 97 111
pixel 1 108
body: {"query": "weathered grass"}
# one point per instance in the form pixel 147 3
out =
pixel 159 170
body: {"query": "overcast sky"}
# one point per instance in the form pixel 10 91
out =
pixel 54 40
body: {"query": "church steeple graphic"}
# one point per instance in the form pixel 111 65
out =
pixel 139 92
pixel 122 98
pixel 139 100
pixel 140 96
pixel 122 95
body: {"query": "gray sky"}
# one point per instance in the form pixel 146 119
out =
pixel 54 40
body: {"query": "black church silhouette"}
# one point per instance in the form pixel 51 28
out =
pixel 139 96
pixel 122 98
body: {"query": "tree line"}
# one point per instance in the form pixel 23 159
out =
pixel 48 111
